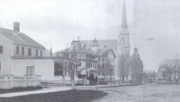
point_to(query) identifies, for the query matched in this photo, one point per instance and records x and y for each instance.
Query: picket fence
(10, 81)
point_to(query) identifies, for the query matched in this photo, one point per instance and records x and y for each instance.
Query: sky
(153, 24)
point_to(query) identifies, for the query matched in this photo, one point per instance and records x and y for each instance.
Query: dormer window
(1, 49)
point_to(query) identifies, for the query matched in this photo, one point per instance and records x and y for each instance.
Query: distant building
(93, 58)
(105, 61)
(151, 76)
(159, 75)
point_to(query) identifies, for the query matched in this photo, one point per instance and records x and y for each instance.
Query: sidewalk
(48, 90)
(103, 86)
(93, 86)
(45, 90)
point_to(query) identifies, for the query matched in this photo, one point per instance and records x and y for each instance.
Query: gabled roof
(102, 52)
(20, 38)
(109, 44)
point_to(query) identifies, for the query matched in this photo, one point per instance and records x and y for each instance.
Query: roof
(87, 60)
(110, 44)
(103, 52)
(44, 57)
(20, 38)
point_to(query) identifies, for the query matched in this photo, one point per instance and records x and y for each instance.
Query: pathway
(44, 90)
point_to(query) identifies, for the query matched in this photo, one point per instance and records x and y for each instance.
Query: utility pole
(64, 73)
(97, 74)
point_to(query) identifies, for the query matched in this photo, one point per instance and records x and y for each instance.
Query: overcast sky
(154, 25)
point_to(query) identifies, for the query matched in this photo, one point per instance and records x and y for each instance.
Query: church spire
(124, 19)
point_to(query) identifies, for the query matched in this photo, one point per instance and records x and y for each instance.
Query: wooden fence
(62, 83)
(10, 81)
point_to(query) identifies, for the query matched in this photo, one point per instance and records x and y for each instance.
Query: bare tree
(167, 69)
(127, 68)
(104, 70)
(76, 54)
(120, 68)
(71, 67)
(163, 71)
(111, 73)
(123, 67)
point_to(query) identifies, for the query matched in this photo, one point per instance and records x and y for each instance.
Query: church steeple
(124, 19)
(123, 38)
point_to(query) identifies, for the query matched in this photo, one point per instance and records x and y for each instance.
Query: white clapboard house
(23, 61)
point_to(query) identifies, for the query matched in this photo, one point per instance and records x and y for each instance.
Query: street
(142, 93)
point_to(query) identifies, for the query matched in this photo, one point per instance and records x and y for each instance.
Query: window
(58, 69)
(30, 71)
(17, 49)
(1, 49)
(29, 51)
(36, 52)
(22, 50)
(41, 53)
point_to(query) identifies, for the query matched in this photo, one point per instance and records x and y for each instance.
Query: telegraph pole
(97, 75)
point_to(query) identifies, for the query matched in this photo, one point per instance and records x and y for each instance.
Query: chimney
(16, 26)
(51, 51)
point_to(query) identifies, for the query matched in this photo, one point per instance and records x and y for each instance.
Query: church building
(120, 47)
